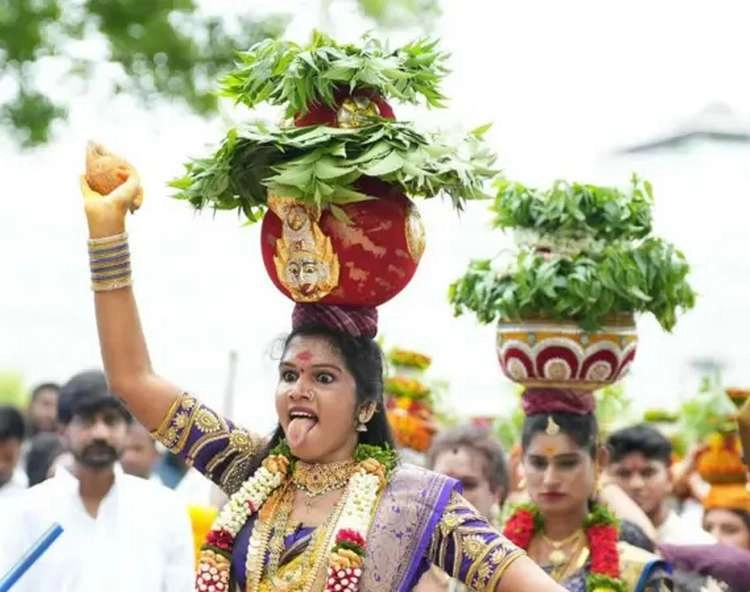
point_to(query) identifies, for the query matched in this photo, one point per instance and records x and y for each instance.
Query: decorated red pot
(363, 256)
(542, 353)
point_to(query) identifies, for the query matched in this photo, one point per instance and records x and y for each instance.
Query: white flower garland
(346, 550)
(558, 244)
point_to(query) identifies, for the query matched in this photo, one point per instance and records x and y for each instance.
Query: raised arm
(123, 346)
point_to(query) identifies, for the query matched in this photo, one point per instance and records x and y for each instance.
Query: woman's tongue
(297, 430)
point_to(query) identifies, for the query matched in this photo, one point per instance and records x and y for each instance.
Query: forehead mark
(304, 356)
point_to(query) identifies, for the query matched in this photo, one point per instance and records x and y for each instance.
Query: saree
(420, 519)
(642, 571)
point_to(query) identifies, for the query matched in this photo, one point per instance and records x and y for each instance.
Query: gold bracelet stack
(109, 258)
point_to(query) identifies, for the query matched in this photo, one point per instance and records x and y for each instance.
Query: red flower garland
(601, 532)
(347, 535)
(605, 559)
(520, 527)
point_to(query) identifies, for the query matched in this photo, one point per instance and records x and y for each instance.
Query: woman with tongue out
(324, 503)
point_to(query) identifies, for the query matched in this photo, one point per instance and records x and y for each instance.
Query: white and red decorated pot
(556, 354)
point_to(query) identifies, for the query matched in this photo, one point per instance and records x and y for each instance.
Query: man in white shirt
(640, 460)
(120, 533)
(12, 478)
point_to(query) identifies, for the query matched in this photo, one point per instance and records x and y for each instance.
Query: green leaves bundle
(285, 73)
(576, 210)
(322, 164)
(626, 273)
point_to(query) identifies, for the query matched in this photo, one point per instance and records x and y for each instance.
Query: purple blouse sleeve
(468, 548)
(210, 443)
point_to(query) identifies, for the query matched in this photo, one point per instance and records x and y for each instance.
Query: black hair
(364, 360)
(633, 534)
(45, 386)
(648, 441)
(86, 394)
(480, 440)
(12, 426)
(44, 449)
(582, 429)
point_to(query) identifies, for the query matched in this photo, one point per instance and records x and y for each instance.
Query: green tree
(12, 391)
(401, 13)
(155, 49)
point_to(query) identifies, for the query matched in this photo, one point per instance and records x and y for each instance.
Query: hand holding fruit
(110, 188)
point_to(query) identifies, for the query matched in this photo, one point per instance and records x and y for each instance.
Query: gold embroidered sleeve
(210, 443)
(468, 548)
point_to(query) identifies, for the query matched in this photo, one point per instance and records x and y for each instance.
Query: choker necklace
(317, 479)
(559, 557)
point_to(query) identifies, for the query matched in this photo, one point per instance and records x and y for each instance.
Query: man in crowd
(140, 454)
(42, 411)
(12, 478)
(640, 461)
(472, 456)
(120, 533)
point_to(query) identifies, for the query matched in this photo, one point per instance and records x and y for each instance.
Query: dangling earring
(365, 415)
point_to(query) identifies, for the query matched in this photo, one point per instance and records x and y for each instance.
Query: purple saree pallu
(409, 510)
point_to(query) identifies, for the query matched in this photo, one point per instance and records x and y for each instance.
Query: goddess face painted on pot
(308, 276)
(305, 261)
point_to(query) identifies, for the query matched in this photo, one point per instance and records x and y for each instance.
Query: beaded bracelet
(109, 258)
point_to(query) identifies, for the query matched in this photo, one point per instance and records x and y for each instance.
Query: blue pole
(30, 557)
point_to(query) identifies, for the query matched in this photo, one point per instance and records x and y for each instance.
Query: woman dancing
(323, 504)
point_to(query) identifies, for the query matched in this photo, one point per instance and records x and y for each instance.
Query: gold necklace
(317, 479)
(558, 557)
(310, 563)
(280, 521)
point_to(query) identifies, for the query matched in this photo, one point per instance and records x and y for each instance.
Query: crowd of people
(77, 457)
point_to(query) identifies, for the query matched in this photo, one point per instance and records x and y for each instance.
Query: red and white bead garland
(347, 552)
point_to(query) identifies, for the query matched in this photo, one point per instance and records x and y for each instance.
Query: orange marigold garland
(602, 529)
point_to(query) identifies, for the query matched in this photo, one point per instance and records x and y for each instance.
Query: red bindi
(304, 356)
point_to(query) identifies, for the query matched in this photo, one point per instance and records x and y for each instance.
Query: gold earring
(365, 415)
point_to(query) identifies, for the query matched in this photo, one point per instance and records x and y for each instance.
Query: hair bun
(357, 321)
(537, 401)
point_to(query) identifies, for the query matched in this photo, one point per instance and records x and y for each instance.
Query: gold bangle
(109, 285)
(108, 240)
(109, 262)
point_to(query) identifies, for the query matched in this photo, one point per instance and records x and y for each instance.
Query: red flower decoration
(347, 535)
(520, 528)
(220, 539)
(601, 532)
(605, 558)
